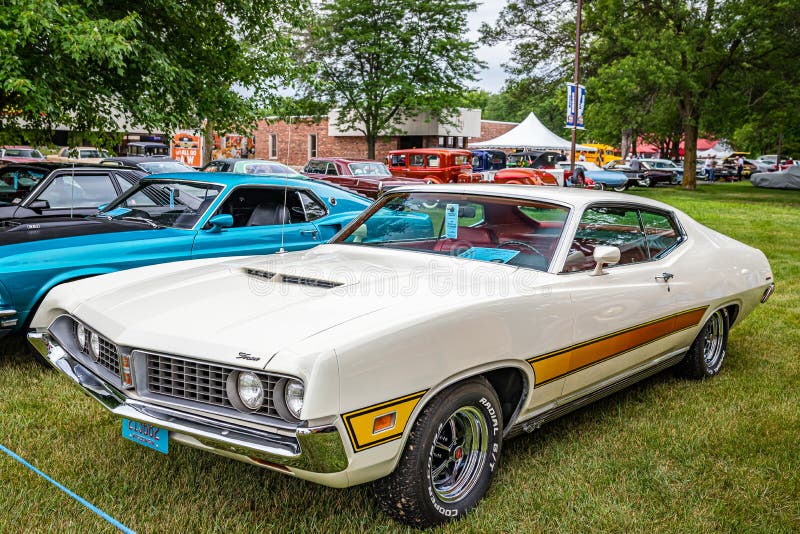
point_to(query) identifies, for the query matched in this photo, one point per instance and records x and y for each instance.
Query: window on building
(273, 146)
(441, 140)
(460, 142)
(451, 141)
(312, 145)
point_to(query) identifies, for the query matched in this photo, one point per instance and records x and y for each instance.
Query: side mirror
(220, 221)
(16, 201)
(604, 255)
(101, 207)
(39, 205)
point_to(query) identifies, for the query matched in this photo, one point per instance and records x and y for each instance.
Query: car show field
(666, 454)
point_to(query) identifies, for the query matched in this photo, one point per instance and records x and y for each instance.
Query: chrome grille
(200, 382)
(109, 355)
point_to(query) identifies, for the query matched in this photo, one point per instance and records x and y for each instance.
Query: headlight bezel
(281, 402)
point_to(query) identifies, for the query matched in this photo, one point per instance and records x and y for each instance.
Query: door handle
(312, 233)
(666, 278)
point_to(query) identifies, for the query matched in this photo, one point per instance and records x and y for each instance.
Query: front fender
(59, 279)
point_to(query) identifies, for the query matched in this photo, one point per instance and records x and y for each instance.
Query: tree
(650, 62)
(161, 64)
(381, 61)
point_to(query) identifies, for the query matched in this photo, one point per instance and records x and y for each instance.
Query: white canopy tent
(720, 150)
(530, 134)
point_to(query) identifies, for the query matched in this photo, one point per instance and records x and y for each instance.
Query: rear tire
(450, 457)
(707, 353)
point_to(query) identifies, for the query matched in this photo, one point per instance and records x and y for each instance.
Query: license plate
(148, 435)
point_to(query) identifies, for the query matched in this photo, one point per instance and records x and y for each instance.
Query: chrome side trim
(595, 392)
(316, 449)
(7, 313)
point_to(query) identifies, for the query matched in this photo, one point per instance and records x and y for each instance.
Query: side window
(331, 170)
(261, 206)
(433, 161)
(123, 183)
(398, 160)
(608, 226)
(417, 160)
(79, 191)
(311, 208)
(661, 232)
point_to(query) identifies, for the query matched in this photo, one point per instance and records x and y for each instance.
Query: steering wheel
(523, 245)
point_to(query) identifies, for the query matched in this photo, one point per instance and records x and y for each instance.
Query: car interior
(264, 206)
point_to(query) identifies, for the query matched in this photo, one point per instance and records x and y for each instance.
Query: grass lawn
(666, 455)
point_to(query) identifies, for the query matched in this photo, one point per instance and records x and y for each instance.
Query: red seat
(467, 238)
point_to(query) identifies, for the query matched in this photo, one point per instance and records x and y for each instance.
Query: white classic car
(444, 320)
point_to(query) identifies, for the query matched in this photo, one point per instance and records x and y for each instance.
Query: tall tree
(161, 64)
(381, 61)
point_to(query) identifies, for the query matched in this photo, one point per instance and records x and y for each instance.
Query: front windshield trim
(557, 258)
(149, 181)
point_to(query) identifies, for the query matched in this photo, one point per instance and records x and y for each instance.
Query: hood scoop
(283, 278)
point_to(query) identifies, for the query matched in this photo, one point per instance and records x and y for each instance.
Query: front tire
(450, 457)
(620, 188)
(707, 353)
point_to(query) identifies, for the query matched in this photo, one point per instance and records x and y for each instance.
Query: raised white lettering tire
(449, 459)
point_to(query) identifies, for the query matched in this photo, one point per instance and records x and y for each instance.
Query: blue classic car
(588, 174)
(167, 217)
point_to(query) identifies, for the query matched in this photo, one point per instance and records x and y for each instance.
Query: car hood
(19, 236)
(259, 305)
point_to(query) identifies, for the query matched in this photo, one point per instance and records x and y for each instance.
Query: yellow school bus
(605, 153)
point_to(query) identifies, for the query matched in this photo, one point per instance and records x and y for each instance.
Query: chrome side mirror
(604, 255)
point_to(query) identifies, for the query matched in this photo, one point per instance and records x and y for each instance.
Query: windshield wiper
(141, 219)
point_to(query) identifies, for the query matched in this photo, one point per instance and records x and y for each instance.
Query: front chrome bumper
(316, 449)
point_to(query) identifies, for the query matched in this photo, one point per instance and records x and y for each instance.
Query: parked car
(81, 154)
(150, 165)
(20, 154)
(17, 179)
(366, 177)
(166, 218)
(588, 174)
(655, 171)
(535, 159)
(70, 191)
(727, 169)
(488, 162)
(146, 149)
(524, 176)
(433, 165)
(250, 166)
(414, 344)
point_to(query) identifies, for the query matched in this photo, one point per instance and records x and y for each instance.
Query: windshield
(23, 153)
(517, 232)
(93, 153)
(155, 167)
(368, 168)
(266, 167)
(169, 203)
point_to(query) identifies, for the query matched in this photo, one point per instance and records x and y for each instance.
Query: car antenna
(285, 186)
(72, 192)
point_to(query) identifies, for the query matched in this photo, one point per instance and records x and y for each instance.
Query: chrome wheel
(713, 340)
(458, 454)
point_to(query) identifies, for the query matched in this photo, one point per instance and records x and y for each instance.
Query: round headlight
(80, 334)
(293, 394)
(250, 389)
(94, 345)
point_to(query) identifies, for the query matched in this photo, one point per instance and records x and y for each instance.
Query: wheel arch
(62, 278)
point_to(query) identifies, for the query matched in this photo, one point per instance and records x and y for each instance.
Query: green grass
(666, 455)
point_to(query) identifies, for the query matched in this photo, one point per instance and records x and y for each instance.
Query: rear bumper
(316, 449)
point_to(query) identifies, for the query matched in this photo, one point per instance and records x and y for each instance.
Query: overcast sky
(493, 77)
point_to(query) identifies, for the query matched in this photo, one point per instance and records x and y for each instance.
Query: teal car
(164, 218)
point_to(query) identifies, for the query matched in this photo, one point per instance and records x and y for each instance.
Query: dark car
(73, 191)
(488, 162)
(150, 165)
(367, 177)
(535, 159)
(146, 149)
(17, 179)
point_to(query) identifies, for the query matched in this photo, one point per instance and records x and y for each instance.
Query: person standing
(708, 166)
(739, 168)
(582, 157)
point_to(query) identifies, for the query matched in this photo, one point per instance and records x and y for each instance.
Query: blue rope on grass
(75, 496)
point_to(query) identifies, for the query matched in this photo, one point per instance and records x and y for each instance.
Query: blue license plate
(148, 435)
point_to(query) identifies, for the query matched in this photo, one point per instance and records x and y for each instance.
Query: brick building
(301, 138)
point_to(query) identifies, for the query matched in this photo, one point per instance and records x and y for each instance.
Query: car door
(626, 318)
(262, 224)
